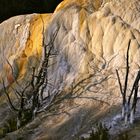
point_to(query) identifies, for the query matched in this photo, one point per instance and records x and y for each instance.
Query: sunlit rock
(21, 45)
(91, 42)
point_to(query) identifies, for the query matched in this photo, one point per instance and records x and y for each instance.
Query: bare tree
(40, 81)
(129, 100)
(20, 111)
(36, 86)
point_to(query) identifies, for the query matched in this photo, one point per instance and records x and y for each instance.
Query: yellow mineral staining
(87, 4)
(81, 3)
(87, 29)
(34, 43)
(24, 35)
(33, 46)
(82, 16)
(92, 40)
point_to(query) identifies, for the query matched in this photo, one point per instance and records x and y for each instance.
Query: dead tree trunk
(128, 106)
(135, 98)
(40, 82)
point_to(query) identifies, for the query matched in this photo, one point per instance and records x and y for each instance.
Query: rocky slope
(91, 42)
(21, 45)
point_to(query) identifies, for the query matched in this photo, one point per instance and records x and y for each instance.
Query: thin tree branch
(10, 102)
(119, 81)
(127, 69)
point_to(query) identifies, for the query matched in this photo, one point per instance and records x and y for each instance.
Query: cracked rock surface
(91, 42)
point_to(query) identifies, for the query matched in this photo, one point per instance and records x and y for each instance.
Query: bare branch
(119, 81)
(10, 102)
(134, 86)
(127, 69)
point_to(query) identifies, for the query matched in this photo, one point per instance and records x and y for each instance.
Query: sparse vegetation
(9, 126)
(29, 103)
(123, 136)
(100, 133)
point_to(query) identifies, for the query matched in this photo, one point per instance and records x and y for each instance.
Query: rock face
(91, 42)
(20, 45)
(85, 37)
